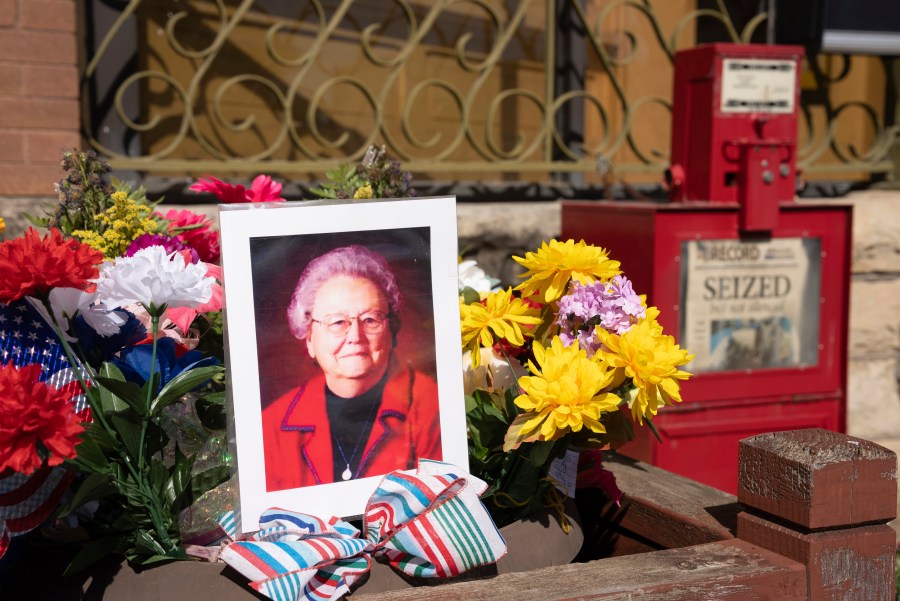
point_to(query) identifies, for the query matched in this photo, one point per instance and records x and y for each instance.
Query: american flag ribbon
(26, 338)
(26, 501)
(427, 522)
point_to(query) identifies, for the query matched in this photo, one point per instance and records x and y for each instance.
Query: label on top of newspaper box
(758, 86)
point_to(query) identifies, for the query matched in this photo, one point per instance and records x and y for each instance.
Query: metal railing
(165, 93)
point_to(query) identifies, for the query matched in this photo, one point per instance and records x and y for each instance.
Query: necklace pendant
(347, 474)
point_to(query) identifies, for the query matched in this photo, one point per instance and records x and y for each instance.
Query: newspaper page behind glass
(751, 304)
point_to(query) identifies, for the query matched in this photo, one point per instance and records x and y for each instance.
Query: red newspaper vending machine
(752, 282)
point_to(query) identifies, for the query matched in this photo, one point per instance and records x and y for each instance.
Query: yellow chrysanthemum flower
(650, 359)
(564, 394)
(554, 264)
(364, 192)
(2, 225)
(502, 315)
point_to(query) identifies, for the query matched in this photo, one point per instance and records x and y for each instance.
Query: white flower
(67, 303)
(474, 277)
(154, 279)
(494, 374)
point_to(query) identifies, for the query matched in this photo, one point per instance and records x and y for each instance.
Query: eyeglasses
(372, 322)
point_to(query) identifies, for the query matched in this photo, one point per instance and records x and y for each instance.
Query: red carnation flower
(32, 266)
(34, 417)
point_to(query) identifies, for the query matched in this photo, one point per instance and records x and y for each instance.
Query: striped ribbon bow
(427, 522)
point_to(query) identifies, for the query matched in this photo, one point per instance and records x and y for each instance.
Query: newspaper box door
(765, 314)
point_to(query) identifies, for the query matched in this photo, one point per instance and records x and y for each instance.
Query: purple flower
(167, 242)
(612, 305)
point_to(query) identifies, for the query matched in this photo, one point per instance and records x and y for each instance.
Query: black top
(351, 421)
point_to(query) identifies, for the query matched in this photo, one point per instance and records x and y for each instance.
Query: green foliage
(384, 176)
(342, 182)
(211, 329)
(469, 295)
(140, 489)
(139, 195)
(517, 478)
(210, 408)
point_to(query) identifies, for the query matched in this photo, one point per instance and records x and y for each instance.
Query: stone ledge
(12, 207)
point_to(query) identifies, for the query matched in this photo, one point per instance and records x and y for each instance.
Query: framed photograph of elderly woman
(342, 325)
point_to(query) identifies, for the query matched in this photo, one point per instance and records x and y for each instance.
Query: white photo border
(241, 222)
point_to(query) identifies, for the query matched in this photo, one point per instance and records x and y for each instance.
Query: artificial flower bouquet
(111, 365)
(564, 364)
(111, 375)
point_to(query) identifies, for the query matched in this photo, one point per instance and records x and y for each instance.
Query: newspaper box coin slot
(752, 282)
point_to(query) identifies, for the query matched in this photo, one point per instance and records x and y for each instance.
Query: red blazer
(297, 436)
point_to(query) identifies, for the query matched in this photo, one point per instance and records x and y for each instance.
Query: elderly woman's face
(350, 337)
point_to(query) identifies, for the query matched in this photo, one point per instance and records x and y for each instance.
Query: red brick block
(817, 478)
(39, 113)
(38, 47)
(58, 15)
(850, 564)
(50, 81)
(28, 180)
(8, 13)
(10, 79)
(47, 147)
(12, 146)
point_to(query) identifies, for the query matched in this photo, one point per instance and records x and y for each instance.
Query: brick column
(39, 110)
(823, 499)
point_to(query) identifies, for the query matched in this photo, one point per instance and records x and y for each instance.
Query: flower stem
(156, 512)
(154, 324)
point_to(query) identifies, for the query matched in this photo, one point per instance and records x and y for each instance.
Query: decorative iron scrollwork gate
(465, 89)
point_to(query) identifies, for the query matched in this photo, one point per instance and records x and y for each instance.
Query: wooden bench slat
(731, 570)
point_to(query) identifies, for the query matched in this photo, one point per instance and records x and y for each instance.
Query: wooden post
(823, 499)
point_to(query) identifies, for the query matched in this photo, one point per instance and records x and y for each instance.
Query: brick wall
(38, 93)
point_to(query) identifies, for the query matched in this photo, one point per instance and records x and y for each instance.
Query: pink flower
(171, 244)
(263, 189)
(592, 474)
(226, 192)
(201, 237)
(183, 317)
(167, 328)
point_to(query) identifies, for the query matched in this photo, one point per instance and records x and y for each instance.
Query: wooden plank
(660, 509)
(724, 571)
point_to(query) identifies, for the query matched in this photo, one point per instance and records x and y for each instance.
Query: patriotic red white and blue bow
(426, 522)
